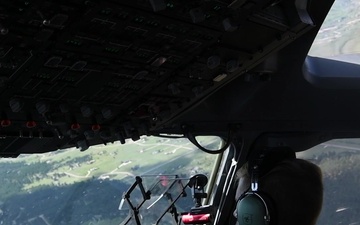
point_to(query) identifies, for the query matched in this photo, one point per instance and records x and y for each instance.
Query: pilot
(276, 188)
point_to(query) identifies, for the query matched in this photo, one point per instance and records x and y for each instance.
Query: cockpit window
(339, 161)
(339, 37)
(73, 187)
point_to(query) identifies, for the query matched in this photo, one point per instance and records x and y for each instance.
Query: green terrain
(73, 187)
(340, 32)
(339, 161)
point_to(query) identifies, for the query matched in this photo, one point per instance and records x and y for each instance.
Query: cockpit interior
(142, 111)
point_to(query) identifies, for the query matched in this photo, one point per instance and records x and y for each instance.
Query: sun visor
(331, 74)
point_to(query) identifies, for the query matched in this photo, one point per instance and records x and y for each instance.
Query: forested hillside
(340, 164)
(73, 187)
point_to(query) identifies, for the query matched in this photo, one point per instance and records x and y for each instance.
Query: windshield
(339, 37)
(339, 161)
(73, 187)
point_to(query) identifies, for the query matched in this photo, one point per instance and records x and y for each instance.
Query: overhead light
(16, 105)
(159, 61)
(42, 107)
(213, 61)
(158, 5)
(86, 111)
(220, 77)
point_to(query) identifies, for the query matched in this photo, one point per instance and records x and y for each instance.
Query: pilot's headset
(255, 207)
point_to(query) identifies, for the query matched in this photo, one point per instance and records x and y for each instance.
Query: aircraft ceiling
(79, 73)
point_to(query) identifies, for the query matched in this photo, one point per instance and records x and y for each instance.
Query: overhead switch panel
(92, 72)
